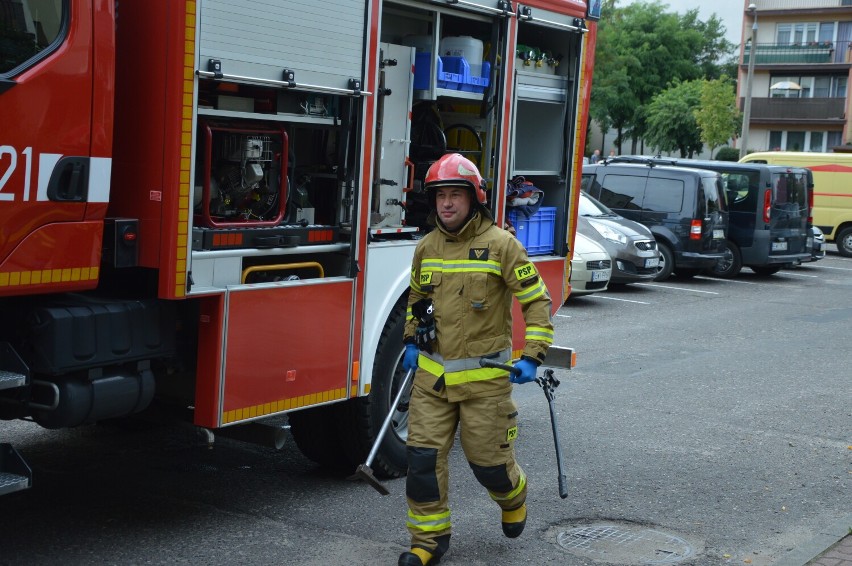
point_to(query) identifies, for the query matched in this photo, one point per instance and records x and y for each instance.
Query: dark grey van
(684, 208)
(768, 214)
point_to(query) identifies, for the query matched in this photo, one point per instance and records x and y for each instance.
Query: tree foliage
(671, 124)
(717, 115)
(641, 49)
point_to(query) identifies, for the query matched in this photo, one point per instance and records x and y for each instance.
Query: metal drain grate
(625, 544)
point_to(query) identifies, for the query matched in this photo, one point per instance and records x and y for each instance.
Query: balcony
(811, 53)
(764, 5)
(810, 110)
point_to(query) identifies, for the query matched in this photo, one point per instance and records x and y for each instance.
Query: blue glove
(527, 371)
(409, 360)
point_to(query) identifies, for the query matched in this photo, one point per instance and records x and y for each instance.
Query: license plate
(779, 246)
(718, 234)
(599, 276)
(652, 262)
(810, 243)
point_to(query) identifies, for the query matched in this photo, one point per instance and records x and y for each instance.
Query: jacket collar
(477, 224)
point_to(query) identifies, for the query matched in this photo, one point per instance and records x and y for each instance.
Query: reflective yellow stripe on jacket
(465, 370)
(539, 333)
(461, 266)
(532, 293)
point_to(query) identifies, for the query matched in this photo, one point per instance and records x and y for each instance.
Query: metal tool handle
(548, 383)
(486, 363)
(403, 386)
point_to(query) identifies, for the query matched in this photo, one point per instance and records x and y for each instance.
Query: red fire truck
(212, 205)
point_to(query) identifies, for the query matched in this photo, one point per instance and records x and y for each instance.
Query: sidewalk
(832, 547)
(838, 555)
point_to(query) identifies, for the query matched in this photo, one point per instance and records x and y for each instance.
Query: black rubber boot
(514, 521)
(411, 559)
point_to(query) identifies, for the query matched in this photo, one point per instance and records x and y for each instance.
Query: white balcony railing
(800, 4)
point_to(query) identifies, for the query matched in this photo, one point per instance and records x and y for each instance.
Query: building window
(796, 34)
(823, 86)
(834, 139)
(817, 141)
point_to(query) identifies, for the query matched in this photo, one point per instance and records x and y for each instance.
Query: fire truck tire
(368, 413)
(316, 434)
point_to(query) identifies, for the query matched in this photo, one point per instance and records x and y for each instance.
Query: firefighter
(463, 277)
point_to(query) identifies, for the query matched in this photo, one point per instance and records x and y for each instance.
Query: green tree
(642, 48)
(717, 115)
(671, 124)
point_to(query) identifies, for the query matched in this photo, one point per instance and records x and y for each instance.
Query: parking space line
(720, 280)
(617, 299)
(798, 274)
(839, 268)
(676, 288)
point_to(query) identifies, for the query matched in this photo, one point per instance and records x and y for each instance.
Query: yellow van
(832, 206)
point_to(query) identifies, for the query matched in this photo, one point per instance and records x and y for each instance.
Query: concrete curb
(825, 539)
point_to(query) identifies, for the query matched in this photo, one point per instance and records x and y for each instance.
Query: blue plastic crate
(453, 73)
(422, 70)
(535, 232)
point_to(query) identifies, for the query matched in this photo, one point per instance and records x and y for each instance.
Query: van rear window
(790, 189)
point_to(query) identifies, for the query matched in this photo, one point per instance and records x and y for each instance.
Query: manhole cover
(624, 543)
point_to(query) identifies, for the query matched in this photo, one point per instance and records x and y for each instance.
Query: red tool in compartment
(243, 175)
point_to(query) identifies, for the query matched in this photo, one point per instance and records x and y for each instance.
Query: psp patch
(525, 271)
(426, 278)
(512, 434)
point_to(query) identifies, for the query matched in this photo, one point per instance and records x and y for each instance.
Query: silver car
(634, 252)
(591, 267)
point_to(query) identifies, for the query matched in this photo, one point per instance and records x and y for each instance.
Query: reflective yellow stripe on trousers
(429, 523)
(522, 481)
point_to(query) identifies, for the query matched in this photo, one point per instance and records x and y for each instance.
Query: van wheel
(360, 427)
(729, 266)
(765, 269)
(664, 270)
(844, 242)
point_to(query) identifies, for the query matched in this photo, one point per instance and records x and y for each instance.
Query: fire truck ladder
(15, 475)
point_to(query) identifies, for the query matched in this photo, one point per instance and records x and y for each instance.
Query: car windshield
(590, 207)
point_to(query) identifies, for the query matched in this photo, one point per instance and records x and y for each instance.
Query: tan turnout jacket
(471, 277)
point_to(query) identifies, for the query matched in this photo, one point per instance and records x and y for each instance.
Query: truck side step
(10, 379)
(15, 475)
(13, 371)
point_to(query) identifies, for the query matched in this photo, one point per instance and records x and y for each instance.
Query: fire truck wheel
(316, 435)
(368, 413)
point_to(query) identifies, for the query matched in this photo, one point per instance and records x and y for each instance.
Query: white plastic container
(464, 46)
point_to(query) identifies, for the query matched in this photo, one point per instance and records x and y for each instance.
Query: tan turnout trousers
(488, 432)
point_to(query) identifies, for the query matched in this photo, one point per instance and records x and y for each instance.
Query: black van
(768, 213)
(684, 208)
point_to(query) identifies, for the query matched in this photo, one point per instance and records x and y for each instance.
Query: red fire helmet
(453, 170)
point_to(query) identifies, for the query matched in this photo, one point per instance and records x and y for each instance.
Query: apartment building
(801, 74)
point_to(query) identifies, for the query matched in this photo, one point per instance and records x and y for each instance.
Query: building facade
(801, 74)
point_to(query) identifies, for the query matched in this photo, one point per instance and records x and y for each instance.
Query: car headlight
(610, 234)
